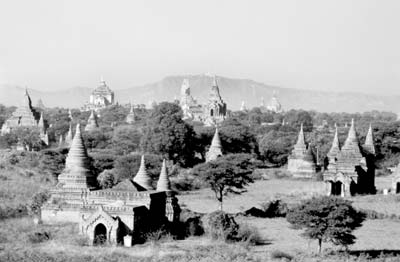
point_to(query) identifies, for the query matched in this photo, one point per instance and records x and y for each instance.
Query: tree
(126, 139)
(327, 219)
(106, 179)
(227, 174)
(168, 134)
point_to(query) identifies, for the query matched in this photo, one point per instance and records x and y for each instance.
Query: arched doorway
(353, 188)
(100, 234)
(336, 189)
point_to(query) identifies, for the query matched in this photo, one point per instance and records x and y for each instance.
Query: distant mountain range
(233, 91)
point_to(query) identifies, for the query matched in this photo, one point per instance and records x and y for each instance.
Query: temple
(274, 105)
(190, 108)
(215, 111)
(119, 215)
(24, 116)
(92, 122)
(301, 162)
(101, 97)
(215, 149)
(131, 117)
(351, 169)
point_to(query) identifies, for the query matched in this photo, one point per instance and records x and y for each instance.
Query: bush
(13, 211)
(39, 237)
(38, 200)
(276, 254)
(274, 208)
(248, 235)
(222, 226)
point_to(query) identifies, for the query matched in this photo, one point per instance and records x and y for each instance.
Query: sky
(337, 45)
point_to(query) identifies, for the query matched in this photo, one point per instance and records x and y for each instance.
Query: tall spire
(301, 138)
(215, 149)
(215, 95)
(369, 141)
(335, 149)
(163, 183)
(92, 122)
(142, 178)
(351, 145)
(77, 173)
(41, 122)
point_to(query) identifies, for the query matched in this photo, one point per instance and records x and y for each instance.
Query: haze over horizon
(350, 46)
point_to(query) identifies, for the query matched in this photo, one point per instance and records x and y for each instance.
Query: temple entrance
(398, 188)
(100, 234)
(353, 188)
(336, 189)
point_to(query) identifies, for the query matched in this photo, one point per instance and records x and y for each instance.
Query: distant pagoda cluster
(211, 113)
(101, 97)
(26, 116)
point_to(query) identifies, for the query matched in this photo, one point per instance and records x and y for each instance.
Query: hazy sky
(343, 45)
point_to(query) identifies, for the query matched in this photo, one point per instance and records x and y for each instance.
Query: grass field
(18, 242)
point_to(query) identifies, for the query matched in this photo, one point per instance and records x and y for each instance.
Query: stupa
(77, 174)
(301, 162)
(92, 122)
(142, 178)
(163, 183)
(215, 149)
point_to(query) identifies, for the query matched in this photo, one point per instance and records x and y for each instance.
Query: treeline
(161, 132)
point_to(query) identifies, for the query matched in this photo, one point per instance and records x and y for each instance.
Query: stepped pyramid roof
(163, 183)
(142, 178)
(78, 170)
(92, 122)
(350, 155)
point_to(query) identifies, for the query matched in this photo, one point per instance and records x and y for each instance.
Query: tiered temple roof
(350, 154)
(92, 122)
(163, 183)
(215, 149)
(77, 174)
(215, 109)
(142, 178)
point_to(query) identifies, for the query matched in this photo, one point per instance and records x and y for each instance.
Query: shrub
(222, 226)
(274, 208)
(276, 254)
(13, 211)
(39, 236)
(248, 235)
(38, 200)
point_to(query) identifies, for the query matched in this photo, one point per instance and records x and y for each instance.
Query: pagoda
(77, 174)
(215, 111)
(142, 178)
(215, 149)
(24, 116)
(92, 122)
(301, 162)
(352, 170)
(130, 118)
